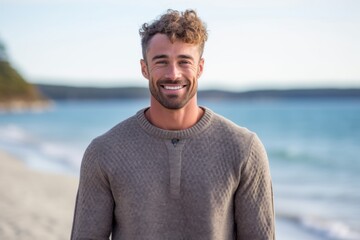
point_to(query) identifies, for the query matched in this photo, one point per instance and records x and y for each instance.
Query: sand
(37, 205)
(34, 204)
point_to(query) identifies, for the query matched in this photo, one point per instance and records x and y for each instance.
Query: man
(175, 170)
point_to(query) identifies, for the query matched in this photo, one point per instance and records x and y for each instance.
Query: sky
(253, 44)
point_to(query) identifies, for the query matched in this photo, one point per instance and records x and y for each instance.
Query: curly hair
(184, 26)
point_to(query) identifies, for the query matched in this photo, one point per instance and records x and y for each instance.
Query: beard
(173, 101)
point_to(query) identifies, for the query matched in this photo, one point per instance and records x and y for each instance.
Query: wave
(324, 157)
(13, 133)
(291, 154)
(39, 152)
(325, 228)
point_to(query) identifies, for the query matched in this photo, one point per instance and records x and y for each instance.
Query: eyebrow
(161, 56)
(186, 56)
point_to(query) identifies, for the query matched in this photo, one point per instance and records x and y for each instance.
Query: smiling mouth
(173, 87)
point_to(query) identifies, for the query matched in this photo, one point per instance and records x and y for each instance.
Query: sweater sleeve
(254, 208)
(94, 202)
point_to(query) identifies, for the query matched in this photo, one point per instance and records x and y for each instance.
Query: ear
(201, 67)
(144, 69)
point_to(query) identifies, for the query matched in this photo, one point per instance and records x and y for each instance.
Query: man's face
(172, 70)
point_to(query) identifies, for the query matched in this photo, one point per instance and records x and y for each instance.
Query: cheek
(196, 71)
(190, 72)
(155, 73)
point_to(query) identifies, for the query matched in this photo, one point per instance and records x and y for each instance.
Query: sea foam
(38, 152)
(323, 228)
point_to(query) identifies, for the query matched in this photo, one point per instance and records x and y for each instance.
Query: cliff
(15, 92)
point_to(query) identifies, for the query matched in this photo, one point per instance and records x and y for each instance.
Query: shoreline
(33, 204)
(15, 106)
(38, 205)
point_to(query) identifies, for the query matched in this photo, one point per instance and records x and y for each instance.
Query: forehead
(160, 44)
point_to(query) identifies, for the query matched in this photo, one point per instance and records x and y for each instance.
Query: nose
(173, 72)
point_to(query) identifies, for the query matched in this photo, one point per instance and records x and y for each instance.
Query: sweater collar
(199, 127)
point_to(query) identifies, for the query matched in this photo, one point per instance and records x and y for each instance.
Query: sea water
(313, 148)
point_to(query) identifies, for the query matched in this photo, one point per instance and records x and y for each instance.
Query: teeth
(172, 87)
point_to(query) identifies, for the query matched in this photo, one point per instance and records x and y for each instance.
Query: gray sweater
(210, 181)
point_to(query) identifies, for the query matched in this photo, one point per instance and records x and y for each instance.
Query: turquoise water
(313, 148)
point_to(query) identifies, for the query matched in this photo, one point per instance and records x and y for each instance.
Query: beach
(34, 205)
(39, 205)
(313, 149)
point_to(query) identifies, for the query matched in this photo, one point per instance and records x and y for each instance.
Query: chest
(175, 169)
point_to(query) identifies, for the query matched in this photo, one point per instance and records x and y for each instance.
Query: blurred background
(287, 69)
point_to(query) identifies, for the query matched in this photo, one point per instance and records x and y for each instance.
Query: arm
(254, 208)
(94, 202)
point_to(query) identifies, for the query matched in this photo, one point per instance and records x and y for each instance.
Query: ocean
(313, 148)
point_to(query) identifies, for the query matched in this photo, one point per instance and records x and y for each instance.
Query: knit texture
(211, 181)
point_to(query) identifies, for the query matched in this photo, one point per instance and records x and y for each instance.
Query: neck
(174, 119)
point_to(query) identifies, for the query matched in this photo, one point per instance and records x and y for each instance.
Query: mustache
(176, 82)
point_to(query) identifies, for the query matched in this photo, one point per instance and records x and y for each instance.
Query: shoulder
(228, 129)
(114, 140)
(245, 143)
(236, 143)
(229, 137)
(106, 148)
(120, 132)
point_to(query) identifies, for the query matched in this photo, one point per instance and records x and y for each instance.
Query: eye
(184, 62)
(161, 62)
